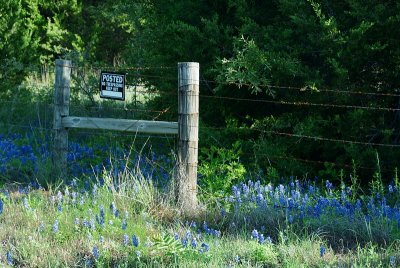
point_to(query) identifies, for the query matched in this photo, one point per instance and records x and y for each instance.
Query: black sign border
(123, 91)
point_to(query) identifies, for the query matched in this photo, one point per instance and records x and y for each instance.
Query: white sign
(112, 85)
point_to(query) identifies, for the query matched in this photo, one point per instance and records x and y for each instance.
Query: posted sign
(112, 85)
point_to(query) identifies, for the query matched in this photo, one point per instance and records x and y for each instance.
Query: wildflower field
(117, 210)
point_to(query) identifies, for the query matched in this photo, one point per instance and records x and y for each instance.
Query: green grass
(154, 220)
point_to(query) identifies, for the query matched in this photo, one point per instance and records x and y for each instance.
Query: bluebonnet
(322, 251)
(114, 209)
(290, 219)
(188, 234)
(237, 258)
(135, 241)
(254, 234)
(86, 223)
(261, 239)
(390, 188)
(204, 247)
(101, 218)
(55, 227)
(9, 258)
(392, 261)
(223, 212)
(124, 224)
(328, 185)
(59, 196)
(92, 224)
(1, 206)
(194, 243)
(88, 263)
(126, 240)
(176, 236)
(26, 203)
(184, 242)
(95, 252)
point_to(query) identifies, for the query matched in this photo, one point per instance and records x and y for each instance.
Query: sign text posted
(112, 85)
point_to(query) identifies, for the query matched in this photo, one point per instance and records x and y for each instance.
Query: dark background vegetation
(247, 49)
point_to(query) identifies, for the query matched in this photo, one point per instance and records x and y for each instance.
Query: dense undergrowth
(117, 210)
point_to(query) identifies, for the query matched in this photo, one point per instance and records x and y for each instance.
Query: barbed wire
(123, 68)
(119, 109)
(302, 136)
(25, 126)
(318, 162)
(324, 105)
(304, 88)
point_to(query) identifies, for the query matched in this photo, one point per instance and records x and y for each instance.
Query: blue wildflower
(188, 235)
(261, 239)
(176, 236)
(41, 226)
(1, 206)
(194, 243)
(55, 227)
(85, 223)
(26, 203)
(95, 252)
(223, 212)
(59, 196)
(92, 224)
(390, 188)
(328, 185)
(322, 251)
(204, 247)
(237, 259)
(9, 258)
(254, 234)
(184, 242)
(124, 224)
(392, 261)
(126, 240)
(135, 241)
(290, 219)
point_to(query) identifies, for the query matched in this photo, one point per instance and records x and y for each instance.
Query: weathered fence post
(61, 109)
(188, 135)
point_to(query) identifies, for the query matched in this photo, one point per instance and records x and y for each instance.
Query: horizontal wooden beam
(140, 126)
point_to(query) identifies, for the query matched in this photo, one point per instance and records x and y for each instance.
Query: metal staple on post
(188, 132)
(61, 110)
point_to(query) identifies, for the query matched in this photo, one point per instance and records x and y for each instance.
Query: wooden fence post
(188, 135)
(61, 109)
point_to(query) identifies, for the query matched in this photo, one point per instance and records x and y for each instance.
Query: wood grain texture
(140, 126)
(61, 109)
(188, 122)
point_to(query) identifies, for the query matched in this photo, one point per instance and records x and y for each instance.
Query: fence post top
(189, 64)
(65, 63)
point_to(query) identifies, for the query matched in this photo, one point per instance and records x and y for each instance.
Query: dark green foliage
(245, 49)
